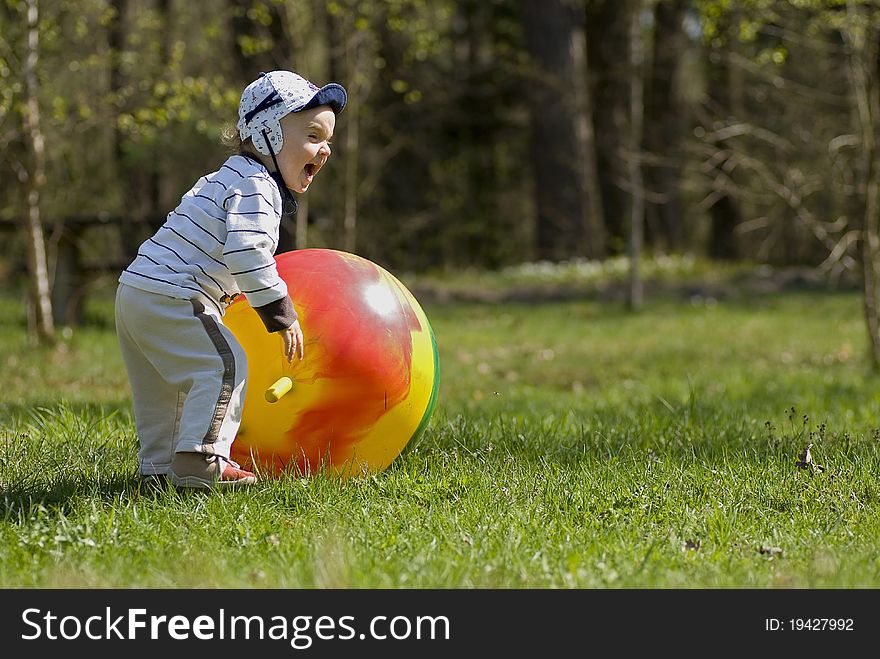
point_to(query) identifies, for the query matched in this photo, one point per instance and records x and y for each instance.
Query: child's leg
(212, 411)
(157, 411)
(189, 347)
(157, 404)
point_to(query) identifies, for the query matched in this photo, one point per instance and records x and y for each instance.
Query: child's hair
(232, 141)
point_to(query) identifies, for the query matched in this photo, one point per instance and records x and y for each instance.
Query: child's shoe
(205, 472)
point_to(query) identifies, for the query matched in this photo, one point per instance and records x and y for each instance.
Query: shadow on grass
(19, 504)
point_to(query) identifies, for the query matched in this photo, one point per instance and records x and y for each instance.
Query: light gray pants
(187, 372)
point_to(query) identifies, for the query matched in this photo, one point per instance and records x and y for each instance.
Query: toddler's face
(306, 145)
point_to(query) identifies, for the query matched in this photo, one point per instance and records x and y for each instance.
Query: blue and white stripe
(220, 240)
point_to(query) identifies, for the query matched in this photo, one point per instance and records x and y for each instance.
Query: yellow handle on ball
(280, 387)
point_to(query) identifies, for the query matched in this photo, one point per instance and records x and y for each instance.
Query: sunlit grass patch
(574, 445)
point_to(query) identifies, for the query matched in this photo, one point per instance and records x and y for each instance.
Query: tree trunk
(637, 208)
(40, 296)
(558, 163)
(301, 224)
(607, 41)
(476, 66)
(352, 153)
(401, 195)
(155, 209)
(724, 214)
(664, 130)
(863, 78)
(137, 228)
(116, 42)
(277, 56)
(345, 54)
(68, 281)
(595, 224)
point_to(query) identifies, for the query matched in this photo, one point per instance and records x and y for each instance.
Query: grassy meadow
(574, 445)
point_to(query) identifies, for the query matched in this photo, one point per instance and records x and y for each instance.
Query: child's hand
(293, 341)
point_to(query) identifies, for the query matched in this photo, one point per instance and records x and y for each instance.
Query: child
(187, 371)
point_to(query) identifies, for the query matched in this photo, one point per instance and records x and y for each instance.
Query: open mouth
(310, 170)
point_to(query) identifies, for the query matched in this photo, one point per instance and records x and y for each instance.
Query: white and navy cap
(273, 95)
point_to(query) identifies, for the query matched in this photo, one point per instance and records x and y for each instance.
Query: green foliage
(444, 171)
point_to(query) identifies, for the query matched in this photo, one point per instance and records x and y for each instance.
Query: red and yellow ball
(367, 384)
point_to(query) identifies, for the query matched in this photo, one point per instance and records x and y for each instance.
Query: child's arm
(251, 222)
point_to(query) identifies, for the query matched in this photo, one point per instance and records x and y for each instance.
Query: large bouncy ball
(367, 383)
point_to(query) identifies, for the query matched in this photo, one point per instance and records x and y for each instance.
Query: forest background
(479, 134)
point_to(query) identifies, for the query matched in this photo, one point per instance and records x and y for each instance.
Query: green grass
(574, 445)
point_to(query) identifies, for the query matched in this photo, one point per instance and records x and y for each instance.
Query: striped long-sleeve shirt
(220, 241)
